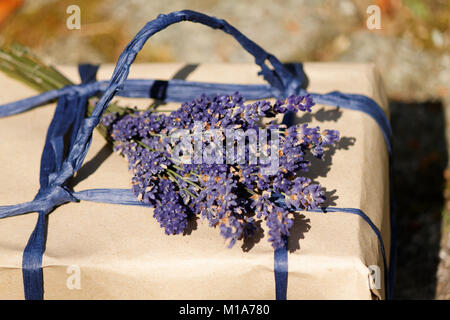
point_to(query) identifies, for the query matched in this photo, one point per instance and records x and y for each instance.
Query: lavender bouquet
(215, 157)
(180, 167)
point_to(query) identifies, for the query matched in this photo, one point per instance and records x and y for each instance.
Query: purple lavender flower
(232, 197)
(231, 228)
(109, 118)
(279, 221)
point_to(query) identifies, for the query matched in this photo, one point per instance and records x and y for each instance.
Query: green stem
(32, 71)
(184, 179)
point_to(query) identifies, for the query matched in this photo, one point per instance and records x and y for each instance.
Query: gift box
(110, 251)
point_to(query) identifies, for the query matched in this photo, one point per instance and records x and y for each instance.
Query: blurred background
(411, 51)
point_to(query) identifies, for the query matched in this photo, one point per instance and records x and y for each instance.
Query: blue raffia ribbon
(63, 156)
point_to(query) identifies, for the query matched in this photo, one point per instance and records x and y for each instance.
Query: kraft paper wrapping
(121, 251)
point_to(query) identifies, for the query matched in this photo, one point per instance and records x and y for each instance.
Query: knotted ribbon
(70, 134)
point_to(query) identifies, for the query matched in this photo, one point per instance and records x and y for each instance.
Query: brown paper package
(120, 252)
